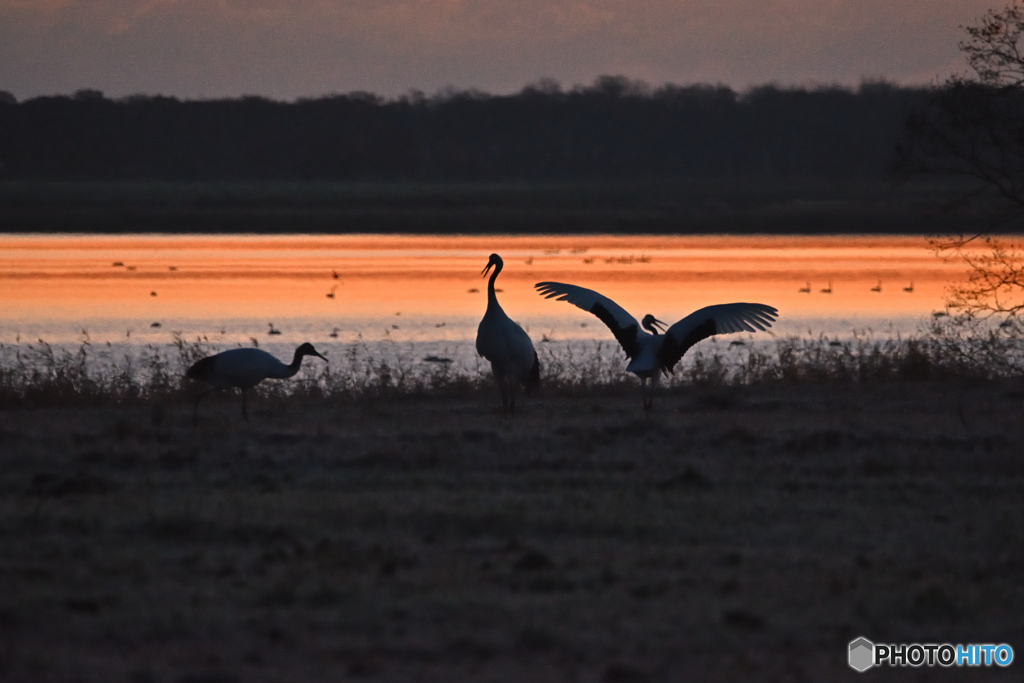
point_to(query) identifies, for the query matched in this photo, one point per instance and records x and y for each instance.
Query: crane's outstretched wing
(712, 320)
(622, 324)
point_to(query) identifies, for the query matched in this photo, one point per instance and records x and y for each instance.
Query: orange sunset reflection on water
(419, 287)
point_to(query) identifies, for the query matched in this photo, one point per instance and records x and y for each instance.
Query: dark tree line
(614, 129)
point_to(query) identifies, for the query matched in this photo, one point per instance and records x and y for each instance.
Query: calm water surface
(426, 293)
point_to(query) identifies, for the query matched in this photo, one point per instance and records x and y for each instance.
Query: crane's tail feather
(532, 383)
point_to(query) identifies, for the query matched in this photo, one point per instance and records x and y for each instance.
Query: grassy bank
(41, 375)
(381, 520)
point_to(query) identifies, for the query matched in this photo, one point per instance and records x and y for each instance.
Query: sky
(287, 49)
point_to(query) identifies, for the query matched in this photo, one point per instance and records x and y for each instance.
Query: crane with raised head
(651, 346)
(243, 369)
(506, 345)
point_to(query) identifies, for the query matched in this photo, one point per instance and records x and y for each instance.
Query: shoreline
(681, 206)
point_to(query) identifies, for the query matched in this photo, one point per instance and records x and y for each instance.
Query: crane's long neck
(291, 370)
(492, 298)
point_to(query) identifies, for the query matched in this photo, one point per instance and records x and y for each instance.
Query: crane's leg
(650, 397)
(195, 406)
(504, 396)
(510, 401)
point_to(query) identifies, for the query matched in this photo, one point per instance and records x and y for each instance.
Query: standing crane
(506, 345)
(244, 369)
(654, 349)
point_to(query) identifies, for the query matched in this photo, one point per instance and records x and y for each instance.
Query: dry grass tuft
(42, 375)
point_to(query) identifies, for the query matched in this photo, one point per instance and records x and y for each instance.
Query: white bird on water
(243, 368)
(501, 341)
(652, 352)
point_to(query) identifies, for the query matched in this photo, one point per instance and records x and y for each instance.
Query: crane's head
(307, 350)
(653, 324)
(495, 260)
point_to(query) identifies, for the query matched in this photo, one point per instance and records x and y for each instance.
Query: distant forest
(615, 129)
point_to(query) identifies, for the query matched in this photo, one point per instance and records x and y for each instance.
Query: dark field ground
(735, 534)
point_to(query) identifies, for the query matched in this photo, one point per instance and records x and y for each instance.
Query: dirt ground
(736, 534)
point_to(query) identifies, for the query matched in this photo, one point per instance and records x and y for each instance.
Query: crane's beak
(317, 354)
(486, 269)
(660, 325)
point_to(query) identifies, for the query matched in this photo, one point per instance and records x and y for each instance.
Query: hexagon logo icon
(862, 654)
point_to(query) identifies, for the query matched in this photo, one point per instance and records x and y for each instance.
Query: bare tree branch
(973, 128)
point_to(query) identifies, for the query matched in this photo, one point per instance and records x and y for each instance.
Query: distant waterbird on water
(273, 330)
(910, 289)
(243, 369)
(805, 290)
(506, 345)
(656, 351)
(878, 287)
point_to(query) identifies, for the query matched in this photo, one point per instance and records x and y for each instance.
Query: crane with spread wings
(651, 346)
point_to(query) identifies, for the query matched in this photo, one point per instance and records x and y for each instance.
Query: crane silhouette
(506, 345)
(654, 350)
(244, 369)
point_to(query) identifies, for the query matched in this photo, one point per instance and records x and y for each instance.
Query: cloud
(289, 48)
